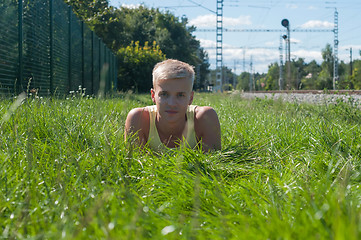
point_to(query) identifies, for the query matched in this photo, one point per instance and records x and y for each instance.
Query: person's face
(172, 97)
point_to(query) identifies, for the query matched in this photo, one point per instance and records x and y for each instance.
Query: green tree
(227, 78)
(243, 81)
(272, 77)
(91, 11)
(355, 78)
(311, 70)
(325, 81)
(259, 81)
(172, 35)
(135, 71)
(298, 67)
(119, 27)
(344, 76)
(203, 68)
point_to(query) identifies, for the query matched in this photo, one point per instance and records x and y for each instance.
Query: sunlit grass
(286, 171)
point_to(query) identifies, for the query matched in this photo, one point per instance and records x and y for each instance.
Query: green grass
(286, 171)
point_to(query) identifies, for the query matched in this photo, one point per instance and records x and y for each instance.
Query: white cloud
(233, 22)
(344, 52)
(292, 6)
(206, 43)
(295, 41)
(317, 24)
(308, 55)
(354, 47)
(210, 21)
(131, 6)
(204, 21)
(261, 57)
(272, 44)
(312, 8)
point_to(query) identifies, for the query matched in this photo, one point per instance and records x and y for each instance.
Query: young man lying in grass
(173, 122)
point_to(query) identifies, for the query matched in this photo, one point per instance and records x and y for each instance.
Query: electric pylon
(219, 44)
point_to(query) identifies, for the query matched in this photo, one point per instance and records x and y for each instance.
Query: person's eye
(181, 95)
(163, 94)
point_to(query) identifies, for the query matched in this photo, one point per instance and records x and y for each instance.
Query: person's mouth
(171, 111)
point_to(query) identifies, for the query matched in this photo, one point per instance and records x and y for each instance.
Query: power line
(254, 6)
(200, 5)
(266, 30)
(243, 48)
(179, 6)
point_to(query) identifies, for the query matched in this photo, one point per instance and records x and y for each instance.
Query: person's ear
(191, 98)
(152, 93)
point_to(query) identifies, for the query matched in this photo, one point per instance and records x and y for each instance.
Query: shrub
(135, 66)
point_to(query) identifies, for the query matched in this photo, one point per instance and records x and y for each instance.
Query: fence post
(110, 71)
(92, 62)
(21, 39)
(82, 56)
(114, 75)
(51, 14)
(69, 53)
(108, 75)
(100, 66)
(115, 70)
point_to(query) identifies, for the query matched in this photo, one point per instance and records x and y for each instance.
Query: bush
(135, 66)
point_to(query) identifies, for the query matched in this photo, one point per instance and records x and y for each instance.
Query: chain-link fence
(45, 48)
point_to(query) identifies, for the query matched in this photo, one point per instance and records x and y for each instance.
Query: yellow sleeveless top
(189, 138)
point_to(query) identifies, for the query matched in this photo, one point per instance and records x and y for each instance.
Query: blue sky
(262, 48)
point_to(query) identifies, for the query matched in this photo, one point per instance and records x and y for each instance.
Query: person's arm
(207, 128)
(135, 124)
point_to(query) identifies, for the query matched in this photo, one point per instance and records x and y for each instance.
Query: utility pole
(280, 80)
(244, 59)
(335, 49)
(287, 38)
(219, 44)
(350, 61)
(250, 76)
(234, 74)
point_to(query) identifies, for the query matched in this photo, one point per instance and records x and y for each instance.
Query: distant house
(309, 76)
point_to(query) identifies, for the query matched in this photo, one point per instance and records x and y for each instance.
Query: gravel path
(304, 97)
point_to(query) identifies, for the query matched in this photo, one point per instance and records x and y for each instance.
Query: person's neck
(170, 129)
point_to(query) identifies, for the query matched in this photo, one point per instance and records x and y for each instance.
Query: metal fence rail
(44, 46)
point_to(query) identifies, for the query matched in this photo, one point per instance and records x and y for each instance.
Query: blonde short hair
(172, 69)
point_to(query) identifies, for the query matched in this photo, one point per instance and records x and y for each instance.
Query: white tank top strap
(153, 136)
(190, 135)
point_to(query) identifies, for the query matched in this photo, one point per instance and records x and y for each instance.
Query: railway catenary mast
(335, 50)
(280, 80)
(219, 35)
(219, 45)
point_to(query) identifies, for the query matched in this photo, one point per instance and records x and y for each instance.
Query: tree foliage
(311, 75)
(271, 80)
(135, 71)
(123, 27)
(243, 81)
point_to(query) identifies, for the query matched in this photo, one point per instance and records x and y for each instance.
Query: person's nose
(172, 101)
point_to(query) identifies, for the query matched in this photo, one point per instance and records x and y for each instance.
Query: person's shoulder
(205, 112)
(138, 112)
(137, 117)
(207, 127)
(205, 117)
(137, 122)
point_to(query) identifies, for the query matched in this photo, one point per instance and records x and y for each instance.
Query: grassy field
(286, 171)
